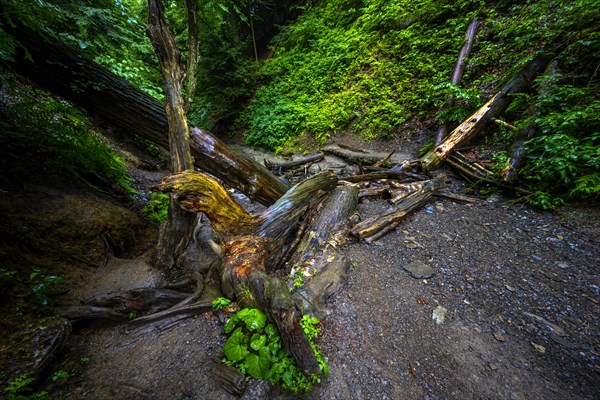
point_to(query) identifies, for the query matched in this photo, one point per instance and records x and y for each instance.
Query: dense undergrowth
(370, 66)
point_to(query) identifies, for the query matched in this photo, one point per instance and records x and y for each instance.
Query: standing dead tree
(458, 72)
(177, 231)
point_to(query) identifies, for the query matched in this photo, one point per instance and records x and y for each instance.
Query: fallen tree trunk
(254, 245)
(494, 107)
(278, 168)
(56, 67)
(376, 226)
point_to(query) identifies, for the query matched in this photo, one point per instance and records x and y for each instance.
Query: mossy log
(253, 245)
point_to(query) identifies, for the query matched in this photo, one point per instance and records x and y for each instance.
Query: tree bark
(191, 78)
(473, 125)
(61, 70)
(458, 72)
(177, 231)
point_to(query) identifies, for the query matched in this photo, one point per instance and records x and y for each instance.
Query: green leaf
(231, 323)
(253, 318)
(259, 364)
(235, 348)
(287, 378)
(258, 341)
(271, 330)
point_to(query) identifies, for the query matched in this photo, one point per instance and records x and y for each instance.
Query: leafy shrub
(157, 208)
(20, 389)
(254, 347)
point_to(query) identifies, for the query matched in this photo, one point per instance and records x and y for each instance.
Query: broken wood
(389, 173)
(457, 197)
(377, 223)
(503, 124)
(230, 379)
(458, 72)
(363, 157)
(402, 191)
(494, 107)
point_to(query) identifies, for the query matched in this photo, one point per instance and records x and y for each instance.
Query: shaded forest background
(281, 73)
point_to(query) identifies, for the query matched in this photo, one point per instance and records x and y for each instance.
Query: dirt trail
(520, 287)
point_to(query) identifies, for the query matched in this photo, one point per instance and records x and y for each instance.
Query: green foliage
(20, 389)
(157, 208)
(370, 68)
(42, 286)
(220, 303)
(254, 347)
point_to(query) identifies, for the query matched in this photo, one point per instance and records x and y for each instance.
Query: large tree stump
(253, 245)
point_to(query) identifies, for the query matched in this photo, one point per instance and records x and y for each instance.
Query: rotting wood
(230, 379)
(402, 191)
(377, 223)
(176, 233)
(457, 197)
(503, 124)
(494, 107)
(390, 173)
(359, 156)
(253, 245)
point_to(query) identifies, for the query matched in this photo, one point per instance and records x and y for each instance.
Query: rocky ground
(480, 301)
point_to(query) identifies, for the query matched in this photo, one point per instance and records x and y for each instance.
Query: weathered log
(278, 168)
(56, 67)
(458, 72)
(98, 315)
(363, 157)
(140, 300)
(377, 223)
(403, 191)
(390, 173)
(316, 258)
(383, 191)
(494, 107)
(457, 197)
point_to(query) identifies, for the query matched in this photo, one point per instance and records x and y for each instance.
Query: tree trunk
(177, 231)
(56, 67)
(459, 71)
(191, 73)
(473, 125)
(255, 245)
